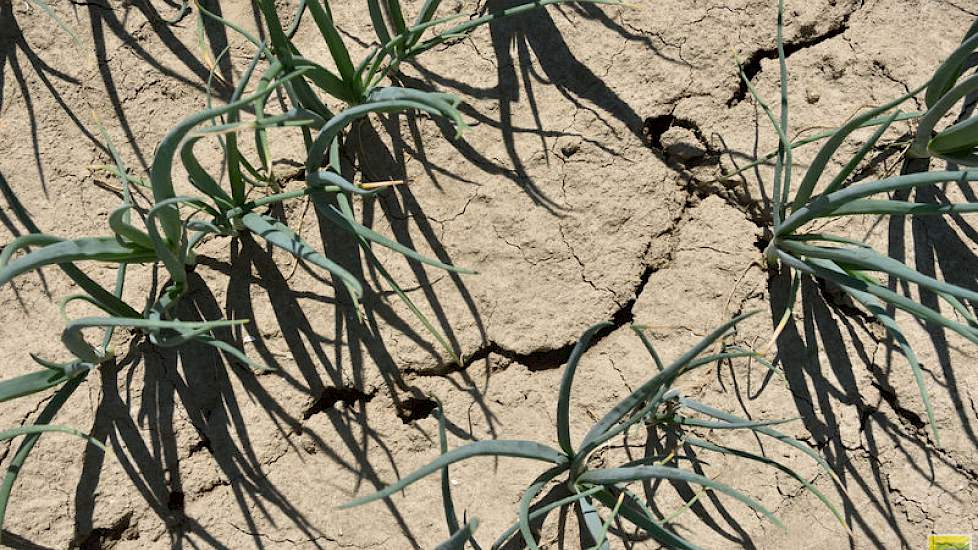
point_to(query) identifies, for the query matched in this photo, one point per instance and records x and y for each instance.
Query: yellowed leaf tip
(381, 184)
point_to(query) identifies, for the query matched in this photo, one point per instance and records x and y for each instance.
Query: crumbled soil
(586, 190)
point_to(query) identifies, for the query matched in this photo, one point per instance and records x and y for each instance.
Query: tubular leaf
(611, 476)
(566, 381)
(518, 449)
(279, 235)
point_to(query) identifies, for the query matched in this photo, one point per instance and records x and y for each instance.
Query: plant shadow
(527, 49)
(105, 23)
(825, 357)
(329, 371)
(158, 391)
(821, 356)
(165, 385)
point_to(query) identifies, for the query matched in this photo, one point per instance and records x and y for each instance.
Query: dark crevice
(689, 155)
(547, 359)
(103, 538)
(625, 314)
(345, 395)
(752, 65)
(763, 240)
(542, 359)
(889, 395)
(685, 155)
(843, 305)
(203, 444)
(655, 126)
(555, 358)
(415, 408)
(175, 501)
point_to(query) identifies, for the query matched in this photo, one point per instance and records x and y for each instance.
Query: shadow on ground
(200, 382)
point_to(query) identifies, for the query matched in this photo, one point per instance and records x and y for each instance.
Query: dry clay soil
(584, 191)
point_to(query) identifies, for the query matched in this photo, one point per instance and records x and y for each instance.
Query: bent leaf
(99, 249)
(279, 235)
(611, 476)
(517, 449)
(34, 382)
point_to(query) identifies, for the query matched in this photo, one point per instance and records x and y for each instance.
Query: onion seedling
(956, 143)
(174, 225)
(852, 265)
(653, 404)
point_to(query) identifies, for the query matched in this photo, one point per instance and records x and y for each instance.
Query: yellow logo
(949, 542)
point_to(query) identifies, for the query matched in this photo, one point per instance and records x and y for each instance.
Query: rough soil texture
(583, 192)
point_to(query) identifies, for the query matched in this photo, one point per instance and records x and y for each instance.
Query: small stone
(308, 445)
(812, 97)
(682, 144)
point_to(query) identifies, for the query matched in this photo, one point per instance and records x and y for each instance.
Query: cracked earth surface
(585, 191)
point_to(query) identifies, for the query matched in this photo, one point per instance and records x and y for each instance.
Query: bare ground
(584, 192)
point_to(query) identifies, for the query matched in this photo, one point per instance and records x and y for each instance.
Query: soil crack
(348, 396)
(415, 408)
(548, 358)
(752, 65)
(102, 538)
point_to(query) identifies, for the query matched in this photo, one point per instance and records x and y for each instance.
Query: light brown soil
(581, 194)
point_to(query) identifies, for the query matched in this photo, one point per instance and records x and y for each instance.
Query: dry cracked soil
(586, 190)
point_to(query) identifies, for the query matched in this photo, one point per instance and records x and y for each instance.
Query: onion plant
(86, 357)
(958, 142)
(172, 227)
(655, 406)
(945, 90)
(852, 265)
(176, 224)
